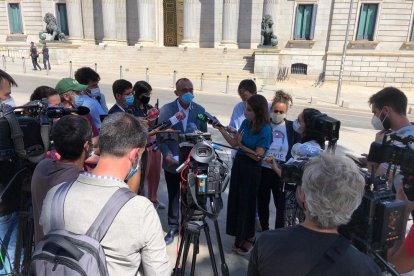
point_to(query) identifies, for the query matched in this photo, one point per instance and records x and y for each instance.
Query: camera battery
(389, 221)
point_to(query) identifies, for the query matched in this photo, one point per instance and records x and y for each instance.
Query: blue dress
(245, 178)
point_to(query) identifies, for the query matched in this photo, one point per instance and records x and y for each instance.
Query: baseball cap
(69, 84)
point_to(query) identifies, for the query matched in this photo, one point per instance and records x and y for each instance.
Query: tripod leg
(188, 240)
(224, 268)
(180, 252)
(195, 252)
(210, 249)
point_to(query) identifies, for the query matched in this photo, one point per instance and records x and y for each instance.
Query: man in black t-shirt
(332, 188)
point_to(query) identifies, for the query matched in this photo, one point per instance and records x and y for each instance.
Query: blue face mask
(129, 100)
(95, 92)
(133, 171)
(78, 100)
(187, 98)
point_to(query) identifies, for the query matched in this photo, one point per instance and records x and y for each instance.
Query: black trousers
(173, 187)
(241, 204)
(46, 62)
(35, 64)
(270, 183)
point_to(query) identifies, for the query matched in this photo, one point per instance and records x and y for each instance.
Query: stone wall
(374, 69)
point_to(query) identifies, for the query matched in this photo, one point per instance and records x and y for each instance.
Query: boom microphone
(175, 119)
(210, 119)
(58, 112)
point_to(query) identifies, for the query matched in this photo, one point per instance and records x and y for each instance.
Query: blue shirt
(261, 139)
(237, 117)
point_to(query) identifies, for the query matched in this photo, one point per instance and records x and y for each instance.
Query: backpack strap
(16, 134)
(108, 213)
(57, 220)
(330, 257)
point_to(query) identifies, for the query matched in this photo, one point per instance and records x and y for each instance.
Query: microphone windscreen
(153, 113)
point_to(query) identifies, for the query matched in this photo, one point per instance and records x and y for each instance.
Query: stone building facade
(311, 33)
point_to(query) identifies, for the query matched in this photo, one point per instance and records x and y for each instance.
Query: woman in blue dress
(252, 141)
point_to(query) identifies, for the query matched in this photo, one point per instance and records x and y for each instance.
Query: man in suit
(170, 151)
(123, 95)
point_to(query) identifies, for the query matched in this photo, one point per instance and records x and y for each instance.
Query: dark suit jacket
(166, 112)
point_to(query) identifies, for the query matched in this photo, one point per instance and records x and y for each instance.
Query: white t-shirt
(280, 145)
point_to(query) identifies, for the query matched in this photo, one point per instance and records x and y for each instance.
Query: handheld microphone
(57, 112)
(153, 114)
(175, 119)
(210, 119)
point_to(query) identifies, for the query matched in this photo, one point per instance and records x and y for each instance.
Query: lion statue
(52, 28)
(268, 38)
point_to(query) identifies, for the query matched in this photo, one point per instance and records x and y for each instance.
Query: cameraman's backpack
(64, 253)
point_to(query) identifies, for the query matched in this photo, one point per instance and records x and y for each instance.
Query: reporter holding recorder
(312, 143)
(284, 137)
(253, 140)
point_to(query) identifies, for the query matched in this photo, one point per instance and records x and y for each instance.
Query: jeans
(8, 234)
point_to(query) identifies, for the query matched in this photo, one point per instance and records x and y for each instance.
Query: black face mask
(145, 99)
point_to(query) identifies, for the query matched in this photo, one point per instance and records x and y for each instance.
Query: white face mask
(277, 118)
(376, 123)
(296, 127)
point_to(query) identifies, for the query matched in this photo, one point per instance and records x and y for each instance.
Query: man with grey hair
(135, 238)
(331, 190)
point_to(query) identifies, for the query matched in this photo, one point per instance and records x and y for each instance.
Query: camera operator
(170, 151)
(6, 82)
(332, 188)
(10, 201)
(311, 142)
(46, 92)
(402, 253)
(283, 139)
(72, 136)
(389, 108)
(253, 140)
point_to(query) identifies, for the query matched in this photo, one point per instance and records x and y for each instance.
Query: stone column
(88, 20)
(146, 19)
(230, 23)
(270, 8)
(109, 20)
(121, 21)
(190, 23)
(74, 19)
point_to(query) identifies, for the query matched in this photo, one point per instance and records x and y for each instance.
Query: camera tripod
(191, 234)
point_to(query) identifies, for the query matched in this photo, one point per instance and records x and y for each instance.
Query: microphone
(57, 112)
(153, 114)
(175, 119)
(210, 119)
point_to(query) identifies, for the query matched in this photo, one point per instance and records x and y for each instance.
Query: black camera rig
(379, 220)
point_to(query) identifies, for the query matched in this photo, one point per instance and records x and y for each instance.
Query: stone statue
(52, 28)
(268, 38)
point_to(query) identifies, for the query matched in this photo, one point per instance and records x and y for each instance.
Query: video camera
(379, 220)
(24, 130)
(203, 173)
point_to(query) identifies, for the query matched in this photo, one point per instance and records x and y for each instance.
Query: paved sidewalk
(355, 97)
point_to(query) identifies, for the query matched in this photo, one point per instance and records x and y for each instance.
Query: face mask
(78, 100)
(187, 98)
(296, 126)
(277, 118)
(95, 92)
(376, 123)
(129, 100)
(145, 99)
(133, 171)
(9, 101)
